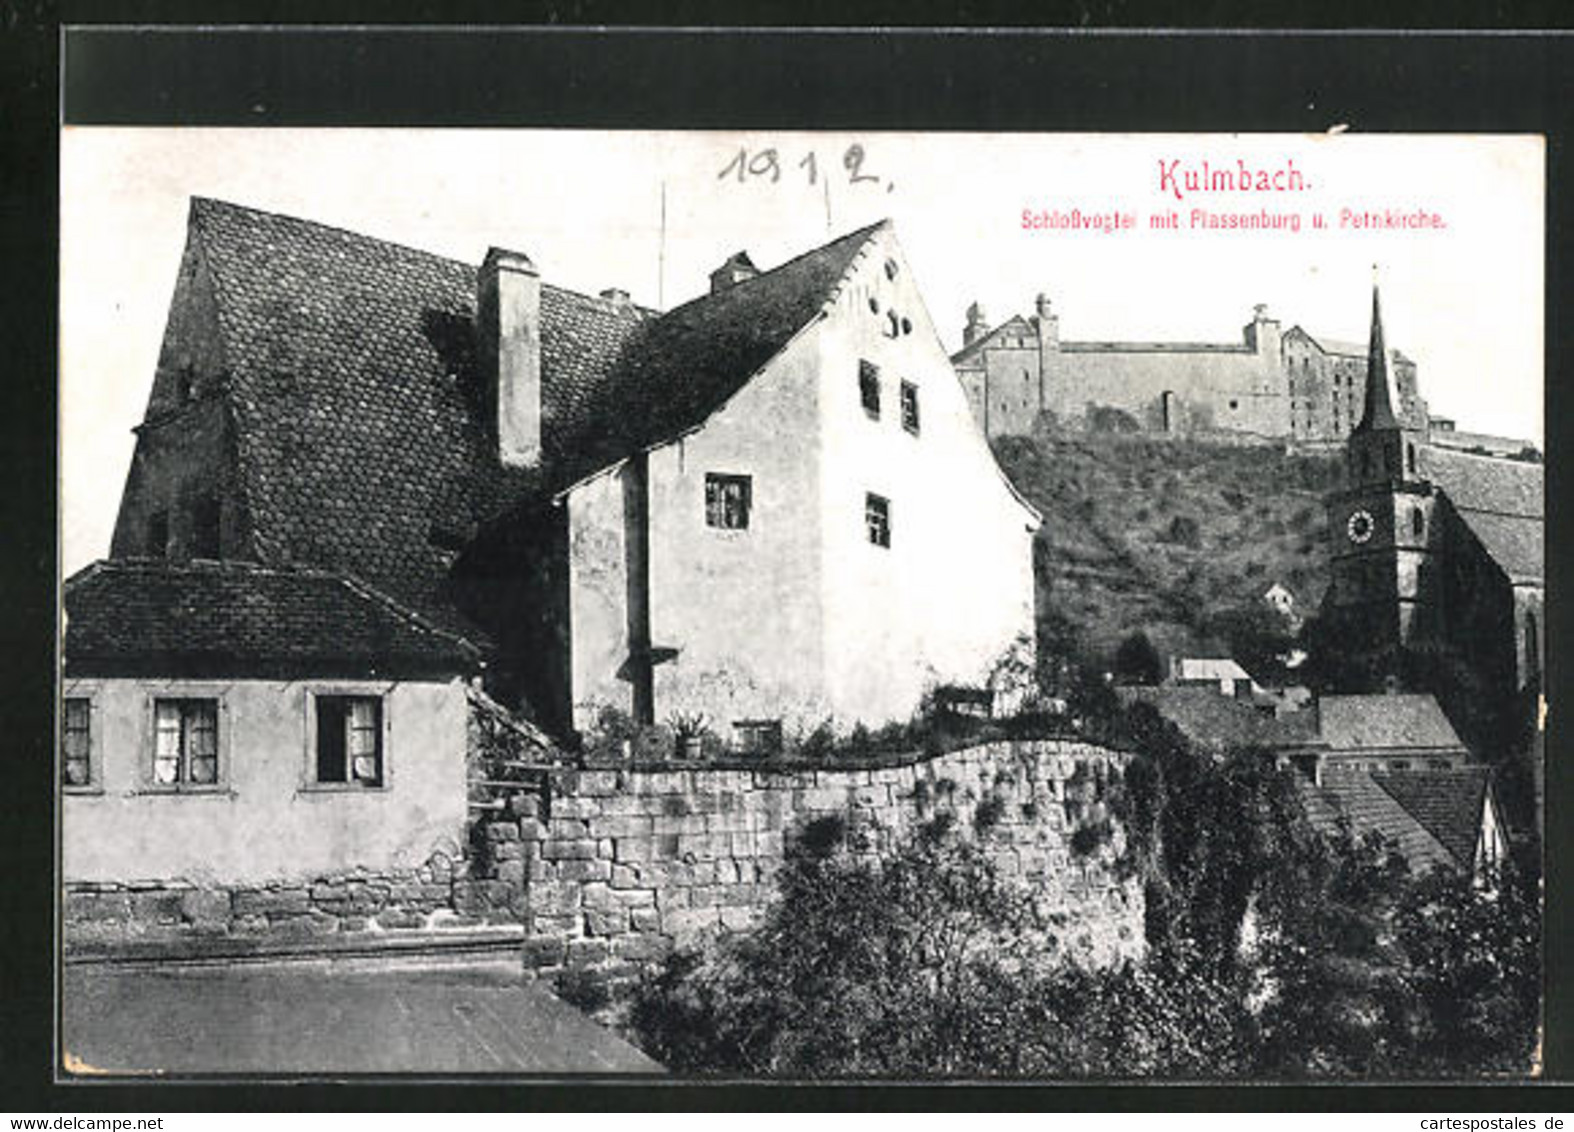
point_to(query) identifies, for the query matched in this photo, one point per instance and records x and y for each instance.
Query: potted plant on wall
(688, 730)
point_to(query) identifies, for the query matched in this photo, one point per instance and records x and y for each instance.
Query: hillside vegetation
(1164, 535)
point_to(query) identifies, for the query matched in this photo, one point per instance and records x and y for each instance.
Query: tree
(1137, 661)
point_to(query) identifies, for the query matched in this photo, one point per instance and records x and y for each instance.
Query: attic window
(869, 388)
(874, 304)
(890, 269)
(907, 326)
(893, 325)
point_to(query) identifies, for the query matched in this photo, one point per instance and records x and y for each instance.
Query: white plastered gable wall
(954, 590)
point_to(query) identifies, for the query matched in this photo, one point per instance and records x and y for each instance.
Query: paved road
(314, 1018)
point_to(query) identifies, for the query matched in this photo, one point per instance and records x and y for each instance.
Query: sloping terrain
(1156, 534)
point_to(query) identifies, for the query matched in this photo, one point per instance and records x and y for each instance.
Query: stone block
(508, 851)
(587, 952)
(735, 822)
(540, 951)
(559, 924)
(624, 876)
(533, 829)
(600, 783)
(541, 870)
(577, 870)
(567, 828)
(205, 906)
(643, 947)
(673, 898)
(704, 846)
(635, 897)
(675, 806)
(502, 831)
(738, 918)
(525, 805)
(271, 902)
(581, 849)
(621, 825)
(97, 907)
(399, 918)
(515, 870)
(606, 921)
(684, 923)
(310, 926)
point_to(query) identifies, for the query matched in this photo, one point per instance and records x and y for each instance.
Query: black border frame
(841, 78)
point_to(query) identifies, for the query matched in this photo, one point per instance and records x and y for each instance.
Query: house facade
(228, 724)
(742, 509)
(829, 543)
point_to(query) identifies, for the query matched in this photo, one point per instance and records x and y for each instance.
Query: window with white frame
(76, 742)
(186, 743)
(349, 741)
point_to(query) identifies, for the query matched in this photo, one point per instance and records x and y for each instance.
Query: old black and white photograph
(801, 606)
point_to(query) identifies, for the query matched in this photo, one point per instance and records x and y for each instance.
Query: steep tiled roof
(1355, 798)
(1448, 803)
(1360, 724)
(1501, 501)
(354, 391)
(357, 399)
(218, 619)
(683, 366)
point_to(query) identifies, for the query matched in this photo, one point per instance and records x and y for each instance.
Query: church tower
(1381, 524)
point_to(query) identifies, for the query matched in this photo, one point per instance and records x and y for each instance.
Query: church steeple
(1379, 409)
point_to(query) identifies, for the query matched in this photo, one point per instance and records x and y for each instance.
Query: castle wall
(1226, 388)
(625, 865)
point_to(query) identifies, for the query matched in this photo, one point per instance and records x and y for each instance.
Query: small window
(1417, 522)
(205, 527)
(893, 325)
(1235, 404)
(907, 326)
(874, 305)
(758, 737)
(877, 518)
(158, 534)
(890, 269)
(76, 742)
(869, 388)
(910, 407)
(185, 743)
(349, 740)
(728, 500)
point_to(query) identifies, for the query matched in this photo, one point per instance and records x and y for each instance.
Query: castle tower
(1382, 522)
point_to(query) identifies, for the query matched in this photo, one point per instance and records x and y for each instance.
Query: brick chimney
(738, 268)
(508, 324)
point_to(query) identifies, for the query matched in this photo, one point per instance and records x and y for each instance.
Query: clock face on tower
(1360, 526)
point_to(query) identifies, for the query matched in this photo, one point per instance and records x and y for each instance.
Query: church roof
(216, 619)
(1378, 409)
(355, 387)
(1501, 501)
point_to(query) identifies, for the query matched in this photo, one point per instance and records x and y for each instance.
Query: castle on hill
(1272, 383)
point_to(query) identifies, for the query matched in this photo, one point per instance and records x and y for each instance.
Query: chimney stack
(508, 322)
(616, 295)
(738, 268)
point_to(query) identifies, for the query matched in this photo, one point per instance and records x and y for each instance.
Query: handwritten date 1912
(767, 164)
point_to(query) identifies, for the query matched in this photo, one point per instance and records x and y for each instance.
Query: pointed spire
(1379, 410)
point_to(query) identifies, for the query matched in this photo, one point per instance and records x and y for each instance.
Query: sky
(654, 213)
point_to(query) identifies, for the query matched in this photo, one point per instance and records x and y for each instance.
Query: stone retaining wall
(622, 866)
(445, 892)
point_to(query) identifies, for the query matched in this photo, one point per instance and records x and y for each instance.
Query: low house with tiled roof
(232, 727)
(1432, 818)
(740, 509)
